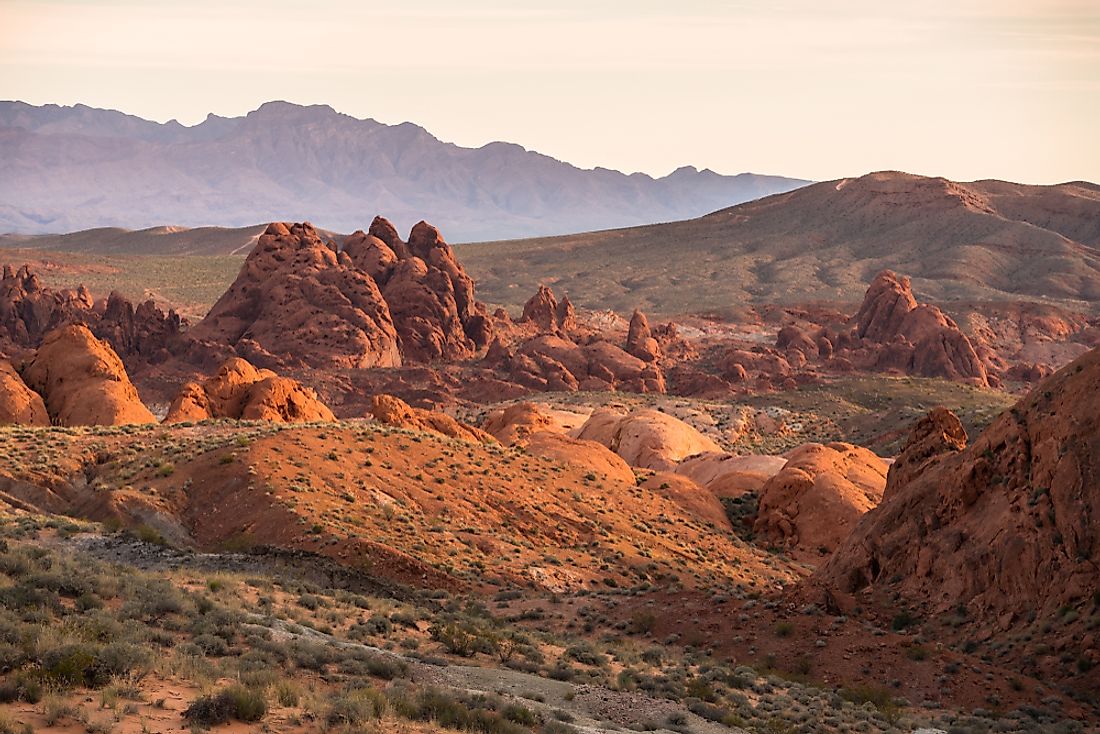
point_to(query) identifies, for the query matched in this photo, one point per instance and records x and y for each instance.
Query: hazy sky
(813, 88)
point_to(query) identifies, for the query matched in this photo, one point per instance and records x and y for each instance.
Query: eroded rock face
(299, 301)
(145, 331)
(919, 339)
(432, 298)
(544, 311)
(554, 360)
(19, 405)
(647, 439)
(887, 303)
(817, 498)
(239, 391)
(1009, 527)
(936, 435)
(82, 381)
(396, 412)
(28, 311)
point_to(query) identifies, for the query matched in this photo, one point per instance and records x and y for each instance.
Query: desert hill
(414, 508)
(985, 240)
(1001, 534)
(74, 168)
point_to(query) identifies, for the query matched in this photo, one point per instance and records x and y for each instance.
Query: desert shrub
(585, 654)
(901, 621)
(642, 622)
(556, 727)
(457, 639)
(917, 653)
(209, 711)
(287, 693)
(211, 645)
(880, 698)
(378, 624)
(476, 714)
(235, 702)
(356, 707)
(248, 703)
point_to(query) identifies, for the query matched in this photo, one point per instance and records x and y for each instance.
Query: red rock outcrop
(639, 339)
(1007, 529)
(28, 311)
(239, 391)
(516, 422)
(730, 476)
(936, 435)
(431, 297)
(82, 381)
(889, 332)
(297, 300)
(552, 361)
(19, 404)
(544, 311)
(918, 339)
(819, 495)
(396, 412)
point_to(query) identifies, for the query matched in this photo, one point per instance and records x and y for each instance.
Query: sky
(818, 89)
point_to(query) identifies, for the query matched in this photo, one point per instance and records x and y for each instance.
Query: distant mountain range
(71, 168)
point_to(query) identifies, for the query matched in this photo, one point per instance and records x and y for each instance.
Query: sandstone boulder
(639, 339)
(240, 391)
(82, 381)
(648, 439)
(817, 498)
(729, 475)
(512, 424)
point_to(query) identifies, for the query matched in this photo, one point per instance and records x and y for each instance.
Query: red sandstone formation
(82, 381)
(19, 404)
(818, 496)
(299, 301)
(648, 439)
(396, 412)
(431, 297)
(639, 339)
(29, 310)
(890, 332)
(240, 391)
(545, 312)
(1007, 530)
(562, 357)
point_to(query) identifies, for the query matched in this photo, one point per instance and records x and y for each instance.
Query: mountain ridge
(75, 168)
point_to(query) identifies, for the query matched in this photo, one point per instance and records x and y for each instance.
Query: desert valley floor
(282, 479)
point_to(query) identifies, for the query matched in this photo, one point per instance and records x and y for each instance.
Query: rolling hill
(73, 168)
(986, 240)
